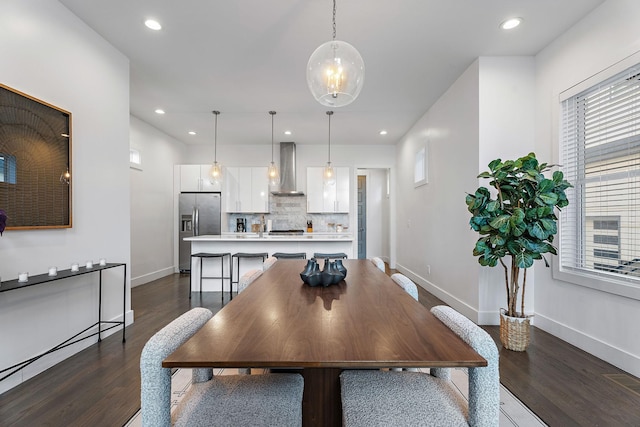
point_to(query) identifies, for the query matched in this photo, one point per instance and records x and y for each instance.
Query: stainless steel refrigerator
(199, 214)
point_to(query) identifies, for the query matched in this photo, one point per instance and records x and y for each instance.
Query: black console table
(11, 285)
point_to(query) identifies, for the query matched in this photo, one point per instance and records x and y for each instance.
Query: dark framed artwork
(35, 162)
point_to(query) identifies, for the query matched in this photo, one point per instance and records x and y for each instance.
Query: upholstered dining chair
(378, 262)
(268, 263)
(383, 398)
(267, 399)
(405, 283)
(248, 278)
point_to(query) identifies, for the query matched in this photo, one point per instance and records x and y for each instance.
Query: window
(600, 151)
(135, 159)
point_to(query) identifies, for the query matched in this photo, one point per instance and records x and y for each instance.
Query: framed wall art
(35, 162)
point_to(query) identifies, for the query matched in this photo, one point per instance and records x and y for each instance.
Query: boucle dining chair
(268, 263)
(383, 398)
(267, 399)
(378, 262)
(248, 278)
(405, 283)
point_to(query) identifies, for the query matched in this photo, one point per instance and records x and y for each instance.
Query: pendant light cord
(273, 113)
(215, 137)
(329, 113)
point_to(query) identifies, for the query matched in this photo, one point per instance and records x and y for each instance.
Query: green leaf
(485, 174)
(546, 185)
(549, 199)
(497, 240)
(495, 164)
(493, 206)
(537, 230)
(499, 221)
(549, 225)
(524, 260)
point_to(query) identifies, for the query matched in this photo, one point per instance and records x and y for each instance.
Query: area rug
(513, 413)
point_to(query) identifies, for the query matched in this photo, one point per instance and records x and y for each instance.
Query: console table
(11, 285)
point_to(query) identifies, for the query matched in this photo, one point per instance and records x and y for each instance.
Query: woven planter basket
(515, 332)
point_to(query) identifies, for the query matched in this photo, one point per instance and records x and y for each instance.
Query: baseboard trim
(150, 277)
(611, 354)
(457, 304)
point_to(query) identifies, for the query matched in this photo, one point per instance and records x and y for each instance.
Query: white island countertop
(235, 237)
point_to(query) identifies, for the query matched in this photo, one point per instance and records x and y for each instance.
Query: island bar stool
(290, 255)
(222, 256)
(338, 255)
(239, 255)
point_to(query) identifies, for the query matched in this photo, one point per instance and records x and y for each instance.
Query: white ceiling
(246, 57)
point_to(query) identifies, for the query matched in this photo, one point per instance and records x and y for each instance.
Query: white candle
(23, 277)
(74, 267)
(103, 261)
(53, 271)
(89, 264)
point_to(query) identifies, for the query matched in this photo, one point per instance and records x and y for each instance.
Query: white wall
(598, 322)
(434, 241)
(152, 198)
(50, 54)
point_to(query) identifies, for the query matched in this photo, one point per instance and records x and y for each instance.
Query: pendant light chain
(334, 20)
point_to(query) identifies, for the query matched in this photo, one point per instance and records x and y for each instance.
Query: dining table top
(365, 321)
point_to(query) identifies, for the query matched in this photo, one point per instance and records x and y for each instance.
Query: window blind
(600, 154)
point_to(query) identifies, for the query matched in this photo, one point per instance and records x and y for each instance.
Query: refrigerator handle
(194, 219)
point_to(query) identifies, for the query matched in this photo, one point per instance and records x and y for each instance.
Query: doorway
(362, 217)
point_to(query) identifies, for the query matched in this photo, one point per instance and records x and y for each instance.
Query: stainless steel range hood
(287, 171)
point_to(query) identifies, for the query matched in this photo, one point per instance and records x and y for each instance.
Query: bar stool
(240, 255)
(202, 255)
(290, 255)
(338, 255)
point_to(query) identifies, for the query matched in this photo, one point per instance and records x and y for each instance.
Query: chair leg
(200, 278)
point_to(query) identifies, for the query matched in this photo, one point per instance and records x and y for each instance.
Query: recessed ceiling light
(511, 23)
(159, 111)
(153, 24)
(191, 132)
(383, 132)
(287, 132)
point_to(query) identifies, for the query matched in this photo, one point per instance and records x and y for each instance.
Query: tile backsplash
(290, 213)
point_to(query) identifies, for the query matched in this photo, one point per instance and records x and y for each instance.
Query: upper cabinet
(323, 198)
(196, 178)
(246, 190)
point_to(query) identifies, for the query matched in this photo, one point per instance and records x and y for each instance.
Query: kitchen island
(252, 242)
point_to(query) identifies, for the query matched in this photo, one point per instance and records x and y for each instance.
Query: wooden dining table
(363, 322)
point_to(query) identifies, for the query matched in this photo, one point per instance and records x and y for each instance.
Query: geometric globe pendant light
(216, 168)
(335, 71)
(272, 172)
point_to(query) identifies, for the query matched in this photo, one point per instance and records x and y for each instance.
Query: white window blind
(600, 154)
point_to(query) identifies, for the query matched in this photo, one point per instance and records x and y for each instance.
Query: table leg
(321, 404)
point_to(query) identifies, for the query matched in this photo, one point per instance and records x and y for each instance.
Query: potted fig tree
(517, 223)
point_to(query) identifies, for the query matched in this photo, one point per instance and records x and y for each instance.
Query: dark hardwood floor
(100, 386)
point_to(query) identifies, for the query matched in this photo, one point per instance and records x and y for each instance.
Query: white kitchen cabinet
(323, 198)
(197, 178)
(246, 189)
